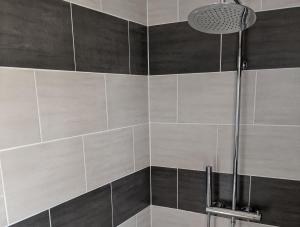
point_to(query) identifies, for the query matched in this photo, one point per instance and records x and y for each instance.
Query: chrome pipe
(237, 127)
(234, 213)
(208, 191)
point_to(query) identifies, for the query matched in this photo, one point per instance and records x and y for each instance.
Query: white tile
(268, 151)
(42, 176)
(210, 97)
(133, 10)
(127, 100)
(3, 219)
(168, 217)
(131, 222)
(162, 12)
(71, 103)
(187, 6)
(141, 147)
(163, 98)
(253, 4)
(144, 218)
(277, 4)
(183, 146)
(109, 156)
(278, 97)
(19, 115)
(92, 4)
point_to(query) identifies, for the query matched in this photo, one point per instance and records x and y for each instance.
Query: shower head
(222, 18)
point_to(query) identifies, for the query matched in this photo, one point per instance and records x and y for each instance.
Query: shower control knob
(244, 65)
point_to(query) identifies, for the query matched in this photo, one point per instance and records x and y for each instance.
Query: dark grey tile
(130, 195)
(273, 42)
(177, 48)
(39, 220)
(101, 41)
(278, 200)
(36, 34)
(222, 189)
(91, 209)
(192, 190)
(164, 186)
(138, 49)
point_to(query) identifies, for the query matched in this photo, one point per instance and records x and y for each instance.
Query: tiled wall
(74, 138)
(192, 94)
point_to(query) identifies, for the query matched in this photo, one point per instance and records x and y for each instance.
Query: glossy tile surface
(131, 194)
(101, 41)
(39, 220)
(47, 174)
(19, 113)
(278, 200)
(109, 156)
(141, 147)
(278, 97)
(177, 48)
(36, 34)
(144, 218)
(163, 98)
(183, 146)
(276, 4)
(161, 12)
(210, 97)
(273, 42)
(92, 4)
(70, 103)
(127, 100)
(264, 151)
(92, 209)
(138, 49)
(133, 10)
(3, 218)
(164, 186)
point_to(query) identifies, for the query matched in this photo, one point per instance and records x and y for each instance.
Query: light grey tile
(210, 97)
(183, 146)
(278, 97)
(71, 103)
(3, 219)
(131, 222)
(42, 176)
(187, 6)
(162, 12)
(163, 98)
(141, 147)
(277, 4)
(127, 100)
(109, 156)
(225, 222)
(253, 4)
(133, 10)
(270, 151)
(168, 217)
(19, 116)
(144, 218)
(92, 4)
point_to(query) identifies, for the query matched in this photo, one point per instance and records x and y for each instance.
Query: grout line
(254, 101)
(178, 19)
(112, 205)
(136, 220)
(177, 97)
(261, 4)
(250, 189)
(134, 167)
(177, 191)
(4, 193)
(50, 223)
(217, 149)
(84, 163)
(129, 57)
(38, 106)
(73, 39)
(71, 137)
(106, 100)
(100, 5)
(221, 51)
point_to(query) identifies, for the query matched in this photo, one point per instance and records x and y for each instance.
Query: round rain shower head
(222, 18)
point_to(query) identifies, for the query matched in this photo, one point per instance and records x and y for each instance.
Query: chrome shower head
(222, 18)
